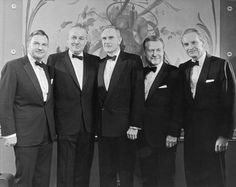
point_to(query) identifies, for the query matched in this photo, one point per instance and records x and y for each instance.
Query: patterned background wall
(135, 18)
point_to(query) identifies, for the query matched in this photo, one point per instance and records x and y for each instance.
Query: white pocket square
(51, 81)
(164, 86)
(210, 80)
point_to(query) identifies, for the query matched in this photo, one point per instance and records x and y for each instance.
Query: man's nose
(154, 53)
(77, 40)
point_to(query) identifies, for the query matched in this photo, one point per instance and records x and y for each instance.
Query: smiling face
(111, 40)
(193, 45)
(154, 52)
(38, 47)
(77, 39)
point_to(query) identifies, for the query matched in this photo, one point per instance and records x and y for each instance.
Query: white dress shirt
(195, 73)
(78, 66)
(149, 79)
(110, 65)
(41, 76)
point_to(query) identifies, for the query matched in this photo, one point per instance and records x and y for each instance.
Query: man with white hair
(208, 90)
(121, 101)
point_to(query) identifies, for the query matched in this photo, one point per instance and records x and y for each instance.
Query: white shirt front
(110, 65)
(149, 79)
(78, 66)
(195, 73)
(41, 76)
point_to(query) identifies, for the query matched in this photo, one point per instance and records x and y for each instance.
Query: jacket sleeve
(8, 86)
(176, 104)
(137, 103)
(227, 99)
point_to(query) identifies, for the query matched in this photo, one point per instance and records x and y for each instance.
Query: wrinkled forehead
(39, 39)
(192, 36)
(77, 31)
(154, 45)
(110, 32)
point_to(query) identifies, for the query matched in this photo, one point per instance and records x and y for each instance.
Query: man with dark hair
(75, 84)
(26, 113)
(208, 90)
(121, 99)
(160, 129)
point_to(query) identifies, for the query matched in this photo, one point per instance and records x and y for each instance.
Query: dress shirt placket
(108, 72)
(42, 81)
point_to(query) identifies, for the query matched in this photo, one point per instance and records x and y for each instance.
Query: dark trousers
(75, 154)
(158, 166)
(204, 169)
(33, 165)
(116, 161)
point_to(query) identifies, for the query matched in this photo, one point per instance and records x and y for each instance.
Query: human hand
(10, 141)
(171, 141)
(132, 133)
(221, 144)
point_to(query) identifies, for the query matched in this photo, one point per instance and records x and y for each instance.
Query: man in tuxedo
(160, 129)
(26, 113)
(121, 100)
(75, 84)
(208, 86)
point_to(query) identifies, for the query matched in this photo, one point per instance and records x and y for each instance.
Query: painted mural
(135, 19)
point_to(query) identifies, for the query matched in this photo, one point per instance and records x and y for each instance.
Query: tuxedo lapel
(30, 71)
(187, 76)
(86, 69)
(118, 69)
(68, 64)
(203, 75)
(158, 80)
(101, 70)
(49, 84)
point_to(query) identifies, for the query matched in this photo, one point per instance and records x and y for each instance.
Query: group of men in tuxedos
(133, 109)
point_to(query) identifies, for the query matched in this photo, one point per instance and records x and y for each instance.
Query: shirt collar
(70, 54)
(32, 60)
(201, 59)
(117, 53)
(158, 65)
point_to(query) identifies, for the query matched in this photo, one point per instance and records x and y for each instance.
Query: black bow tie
(196, 63)
(79, 57)
(42, 65)
(111, 57)
(148, 69)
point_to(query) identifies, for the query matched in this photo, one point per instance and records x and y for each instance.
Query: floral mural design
(134, 18)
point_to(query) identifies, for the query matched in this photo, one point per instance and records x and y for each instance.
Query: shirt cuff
(135, 128)
(9, 136)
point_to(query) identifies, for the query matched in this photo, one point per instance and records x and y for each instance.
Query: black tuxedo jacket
(210, 114)
(160, 107)
(73, 107)
(122, 105)
(22, 109)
